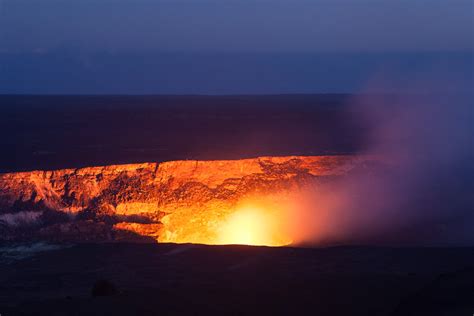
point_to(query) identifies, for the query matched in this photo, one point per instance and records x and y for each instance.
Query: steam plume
(425, 194)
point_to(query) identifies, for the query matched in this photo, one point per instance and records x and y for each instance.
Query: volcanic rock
(157, 200)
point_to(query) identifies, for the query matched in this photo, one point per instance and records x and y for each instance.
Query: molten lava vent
(244, 201)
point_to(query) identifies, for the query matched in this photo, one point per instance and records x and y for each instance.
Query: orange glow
(257, 221)
(252, 226)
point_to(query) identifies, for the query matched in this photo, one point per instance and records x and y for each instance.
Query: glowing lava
(252, 226)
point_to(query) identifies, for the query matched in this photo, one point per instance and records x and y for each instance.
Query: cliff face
(177, 201)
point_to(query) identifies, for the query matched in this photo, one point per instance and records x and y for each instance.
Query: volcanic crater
(189, 201)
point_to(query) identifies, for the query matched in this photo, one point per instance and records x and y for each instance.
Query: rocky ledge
(150, 201)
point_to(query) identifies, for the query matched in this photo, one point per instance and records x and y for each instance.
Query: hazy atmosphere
(232, 46)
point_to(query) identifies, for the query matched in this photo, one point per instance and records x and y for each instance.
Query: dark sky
(230, 46)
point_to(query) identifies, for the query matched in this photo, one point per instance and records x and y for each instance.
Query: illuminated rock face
(177, 201)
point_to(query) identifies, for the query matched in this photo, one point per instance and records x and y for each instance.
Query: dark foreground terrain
(169, 279)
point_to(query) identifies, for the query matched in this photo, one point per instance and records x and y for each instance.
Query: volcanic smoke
(423, 198)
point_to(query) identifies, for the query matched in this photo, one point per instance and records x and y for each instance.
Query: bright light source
(252, 226)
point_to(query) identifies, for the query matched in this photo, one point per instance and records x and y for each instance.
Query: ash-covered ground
(168, 279)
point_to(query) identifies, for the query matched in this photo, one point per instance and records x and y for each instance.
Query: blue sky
(46, 45)
(237, 25)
